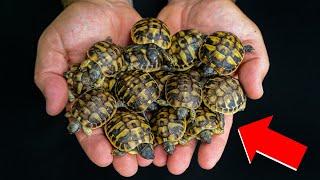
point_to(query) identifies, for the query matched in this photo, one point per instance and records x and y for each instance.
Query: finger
(179, 161)
(166, 14)
(50, 65)
(97, 147)
(142, 162)
(209, 154)
(125, 165)
(160, 158)
(254, 68)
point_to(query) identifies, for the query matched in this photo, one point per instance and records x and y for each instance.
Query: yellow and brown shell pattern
(182, 90)
(82, 80)
(92, 110)
(161, 77)
(224, 95)
(223, 51)
(108, 56)
(184, 49)
(151, 30)
(126, 131)
(205, 125)
(145, 57)
(137, 90)
(167, 128)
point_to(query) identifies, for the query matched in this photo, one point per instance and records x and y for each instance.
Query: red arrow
(257, 137)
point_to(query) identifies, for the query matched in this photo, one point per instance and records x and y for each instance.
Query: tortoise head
(205, 136)
(182, 112)
(73, 127)
(95, 72)
(146, 150)
(168, 147)
(248, 48)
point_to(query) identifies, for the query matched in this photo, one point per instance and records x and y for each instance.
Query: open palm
(65, 42)
(209, 16)
(85, 22)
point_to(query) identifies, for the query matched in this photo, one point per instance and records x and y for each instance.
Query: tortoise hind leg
(168, 147)
(146, 150)
(206, 136)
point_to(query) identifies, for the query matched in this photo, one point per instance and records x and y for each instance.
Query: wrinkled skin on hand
(65, 42)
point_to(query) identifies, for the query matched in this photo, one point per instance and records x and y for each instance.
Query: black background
(35, 145)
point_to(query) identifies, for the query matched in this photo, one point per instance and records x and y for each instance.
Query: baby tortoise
(137, 90)
(130, 133)
(184, 49)
(82, 80)
(183, 92)
(204, 126)
(107, 55)
(151, 30)
(167, 128)
(223, 51)
(145, 57)
(224, 95)
(91, 111)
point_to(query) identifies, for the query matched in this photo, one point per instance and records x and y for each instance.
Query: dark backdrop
(37, 145)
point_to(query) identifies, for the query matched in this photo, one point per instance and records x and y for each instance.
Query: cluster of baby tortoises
(163, 89)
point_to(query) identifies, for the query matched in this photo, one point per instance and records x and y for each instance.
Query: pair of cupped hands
(80, 25)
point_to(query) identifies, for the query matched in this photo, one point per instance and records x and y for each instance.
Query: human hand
(65, 42)
(209, 16)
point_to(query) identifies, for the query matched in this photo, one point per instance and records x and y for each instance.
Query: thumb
(50, 66)
(54, 89)
(253, 70)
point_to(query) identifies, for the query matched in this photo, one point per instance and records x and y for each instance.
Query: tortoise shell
(107, 55)
(183, 90)
(161, 77)
(108, 84)
(167, 127)
(93, 109)
(151, 30)
(205, 120)
(223, 51)
(82, 80)
(184, 49)
(137, 90)
(145, 57)
(224, 95)
(127, 130)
